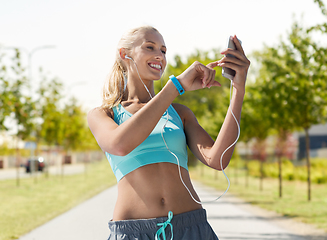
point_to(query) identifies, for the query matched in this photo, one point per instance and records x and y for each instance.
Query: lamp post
(30, 54)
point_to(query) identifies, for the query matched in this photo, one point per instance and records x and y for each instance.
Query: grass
(294, 202)
(33, 204)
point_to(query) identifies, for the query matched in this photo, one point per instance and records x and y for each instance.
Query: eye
(163, 51)
(150, 47)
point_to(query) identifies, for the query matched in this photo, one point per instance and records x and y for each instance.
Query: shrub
(291, 172)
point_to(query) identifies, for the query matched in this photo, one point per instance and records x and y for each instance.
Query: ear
(122, 53)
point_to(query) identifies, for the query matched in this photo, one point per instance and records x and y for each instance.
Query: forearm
(227, 134)
(134, 131)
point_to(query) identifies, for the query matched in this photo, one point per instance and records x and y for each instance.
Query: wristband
(179, 87)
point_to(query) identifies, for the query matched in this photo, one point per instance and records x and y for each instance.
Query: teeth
(155, 65)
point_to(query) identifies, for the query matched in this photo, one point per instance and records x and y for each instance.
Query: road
(54, 170)
(230, 217)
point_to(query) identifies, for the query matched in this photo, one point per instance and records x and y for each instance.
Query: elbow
(118, 149)
(218, 165)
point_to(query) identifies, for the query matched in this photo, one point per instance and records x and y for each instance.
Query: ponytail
(113, 89)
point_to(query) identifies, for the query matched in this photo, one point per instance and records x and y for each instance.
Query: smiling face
(149, 54)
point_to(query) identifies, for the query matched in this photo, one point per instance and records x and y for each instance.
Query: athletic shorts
(191, 225)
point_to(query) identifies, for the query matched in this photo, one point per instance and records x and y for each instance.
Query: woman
(131, 127)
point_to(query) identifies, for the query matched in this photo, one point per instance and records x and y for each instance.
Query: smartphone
(227, 72)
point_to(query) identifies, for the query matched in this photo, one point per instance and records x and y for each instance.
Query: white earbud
(128, 57)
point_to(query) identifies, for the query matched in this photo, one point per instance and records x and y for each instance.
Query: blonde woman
(144, 136)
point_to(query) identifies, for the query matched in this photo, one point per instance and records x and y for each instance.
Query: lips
(155, 66)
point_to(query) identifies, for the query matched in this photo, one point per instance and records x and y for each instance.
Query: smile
(156, 66)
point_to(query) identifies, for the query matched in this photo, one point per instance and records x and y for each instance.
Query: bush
(254, 168)
(291, 172)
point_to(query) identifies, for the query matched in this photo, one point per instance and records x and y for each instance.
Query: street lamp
(30, 60)
(30, 54)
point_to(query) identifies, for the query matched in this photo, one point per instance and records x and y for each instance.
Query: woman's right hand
(198, 76)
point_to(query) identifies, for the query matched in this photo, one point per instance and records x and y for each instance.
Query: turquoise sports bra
(153, 148)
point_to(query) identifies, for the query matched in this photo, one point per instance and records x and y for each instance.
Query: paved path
(231, 218)
(11, 173)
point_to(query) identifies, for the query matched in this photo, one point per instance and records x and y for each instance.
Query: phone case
(227, 72)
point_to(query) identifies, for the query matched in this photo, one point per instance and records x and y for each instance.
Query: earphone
(179, 167)
(128, 57)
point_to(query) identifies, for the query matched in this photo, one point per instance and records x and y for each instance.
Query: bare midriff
(152, 191)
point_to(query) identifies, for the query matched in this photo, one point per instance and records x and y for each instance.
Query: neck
(137, 92)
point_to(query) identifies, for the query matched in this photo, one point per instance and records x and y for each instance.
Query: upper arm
(198, 140)
(102, 127)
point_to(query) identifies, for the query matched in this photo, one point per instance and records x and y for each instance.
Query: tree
(294, 85)
(50, 124)
(255, 123)
(22, 106)
(75, 125)
(5, 92)
(208, 105)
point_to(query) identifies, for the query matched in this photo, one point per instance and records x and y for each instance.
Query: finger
(211, 77)
(233, 60)
(234, 53)
(213, 82)
(233, 66)
(212, 64)
(204, 72)
(238, 45)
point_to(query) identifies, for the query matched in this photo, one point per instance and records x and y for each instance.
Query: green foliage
(321, 6)
(293, 81)
(48, 106)
(15, 103)
(5, 103)
(75, 125)
(209, 105)
(290, 171)
(5, 150)
(45, 120)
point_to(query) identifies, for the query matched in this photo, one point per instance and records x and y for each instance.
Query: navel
(163, 201)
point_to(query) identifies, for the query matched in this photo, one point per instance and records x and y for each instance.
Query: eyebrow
(149, 41)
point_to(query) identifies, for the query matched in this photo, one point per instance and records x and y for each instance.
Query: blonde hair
(113, 89)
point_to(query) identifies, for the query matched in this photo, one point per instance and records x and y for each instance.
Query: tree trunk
(280, 175)
(307, 143)
(235, 160)
(246, 165)
(17, 165)
(261, 175)
(47, 162)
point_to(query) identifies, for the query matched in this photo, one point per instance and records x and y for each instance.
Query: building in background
(318, 142)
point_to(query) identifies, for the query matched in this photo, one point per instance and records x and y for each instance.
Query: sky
(83, 34)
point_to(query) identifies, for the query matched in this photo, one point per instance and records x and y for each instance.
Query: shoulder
(185, 113)
(99, 112)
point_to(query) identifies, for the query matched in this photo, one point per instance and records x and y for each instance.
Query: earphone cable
(221, 157)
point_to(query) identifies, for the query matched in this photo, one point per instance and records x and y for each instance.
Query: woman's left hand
(239, 63)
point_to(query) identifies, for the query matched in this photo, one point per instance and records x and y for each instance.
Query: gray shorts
(186, 226)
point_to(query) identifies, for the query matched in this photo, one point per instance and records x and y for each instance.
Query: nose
(160, 55)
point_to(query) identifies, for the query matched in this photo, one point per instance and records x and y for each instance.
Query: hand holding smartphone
(227, 72)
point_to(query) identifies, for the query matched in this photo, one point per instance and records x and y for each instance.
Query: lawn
(294, 202)
(34, 203)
